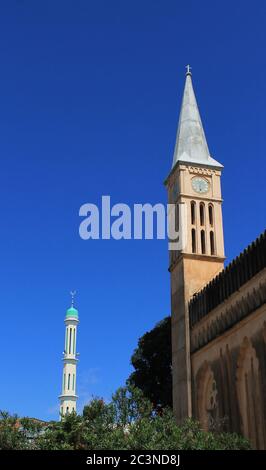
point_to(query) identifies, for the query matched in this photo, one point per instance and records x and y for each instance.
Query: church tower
(194, 180)
(68, 397)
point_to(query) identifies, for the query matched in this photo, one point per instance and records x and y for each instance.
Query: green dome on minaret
(72, 311)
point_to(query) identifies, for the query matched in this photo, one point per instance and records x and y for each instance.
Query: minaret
(68, 398)
(194, 180)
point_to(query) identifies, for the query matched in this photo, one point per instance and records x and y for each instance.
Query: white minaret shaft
(68, 397)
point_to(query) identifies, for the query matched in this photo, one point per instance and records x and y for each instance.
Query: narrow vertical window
(193, 240)
(202, 213)
(193, 213)
(64, 382)
(74, 340)
(203, 245)
(176, 217)
(211, 215)
(68, 382)
(212, 243)
(70, 338)
(67, 409)
(66, 340)
(73, 383)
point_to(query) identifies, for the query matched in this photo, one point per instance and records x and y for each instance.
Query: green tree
(67, 434)
(152, 361)
(18, 433)
(129, 421)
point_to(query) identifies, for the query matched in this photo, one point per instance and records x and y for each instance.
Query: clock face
(200, 185)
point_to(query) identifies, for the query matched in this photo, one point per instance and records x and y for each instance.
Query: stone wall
(228, 363)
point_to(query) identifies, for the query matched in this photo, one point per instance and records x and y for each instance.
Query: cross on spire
(188, 70)
(72, 293)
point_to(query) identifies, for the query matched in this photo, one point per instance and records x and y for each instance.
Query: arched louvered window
(193, 212)
(212, 245)
(202, 213)
(203, 242)
(193, 240)
(211, 215)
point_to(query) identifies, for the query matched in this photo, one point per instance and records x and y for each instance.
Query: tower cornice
(194, 197)
(199, 168)
(195, 256)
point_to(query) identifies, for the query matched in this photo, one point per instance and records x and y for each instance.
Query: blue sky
(89, 100)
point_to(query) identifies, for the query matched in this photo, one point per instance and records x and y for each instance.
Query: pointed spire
(191, 145)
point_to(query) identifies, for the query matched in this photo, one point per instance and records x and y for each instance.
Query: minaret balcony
(71, 358)
(68, 396)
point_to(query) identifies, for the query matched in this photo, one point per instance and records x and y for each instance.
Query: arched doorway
(207, 397)
(249, 394)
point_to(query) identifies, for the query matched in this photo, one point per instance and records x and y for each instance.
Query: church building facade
(218, 315)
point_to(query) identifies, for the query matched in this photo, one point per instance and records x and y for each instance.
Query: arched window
(212, 243)
(68, 382)
(203, 244)
(70, 338)
(64, 384)
(193, 240)
(202, 213)
(193, 212)
(211, 215)
(73, 384)
(67, 409)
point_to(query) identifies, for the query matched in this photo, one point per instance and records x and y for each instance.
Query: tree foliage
(18, 433)
(152, 361)
(127, 422)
